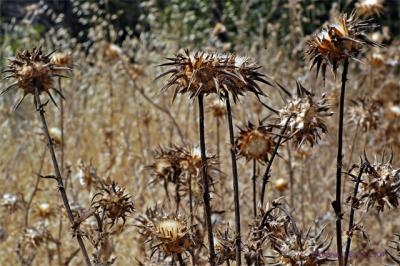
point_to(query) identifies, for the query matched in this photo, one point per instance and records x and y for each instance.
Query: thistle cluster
(205, 73)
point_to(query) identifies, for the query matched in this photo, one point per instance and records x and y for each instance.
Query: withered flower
(281, 184)
(11, 202)
(44, 210)
(205, 73)
(166, 165)
(365, 113)
(255, 142)
(113, 201)
(307, 116)
(170, 234)
(224, 247)
(394, 250)
(368, 8)
(218, 109)
(340, 40)
(380, 184)
(61, 59)
(30, 70)
(301, 249)
(35, 236)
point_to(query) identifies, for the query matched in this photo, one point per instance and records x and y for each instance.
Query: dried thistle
(87, 175)
(368, 8)
(61, 59)
(380, 184)
(281, 184)
(205, 73)
(301, 249)
(365, 113)
(170, 233)
(255, 142)
(44, 211)
(113, 201)
(307, 116)
(11, 202)
(224, 247)
(394, 250)
(218, 109)
(338, 41)
(166, 166)
(33, 69)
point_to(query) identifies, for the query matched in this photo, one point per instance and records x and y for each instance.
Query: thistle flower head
(166, 165)
(44, 210)
(224, 244)
(338, 41)
(170, 234)
(205, 73)
(255, 142)
(368, 8)
(61, 59)
(32, 69)
(11, 202)
(35, 236)
(301, 249)
(218, 109)
(113, 201)
(281, 184)
(365, 113)
(307, 117)
(380, 184)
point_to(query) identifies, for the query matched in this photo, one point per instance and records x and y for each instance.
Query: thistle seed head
(340, 40)
(205, 73)
(368, 8)
(113, 201)
(32, 69)
(255, 142)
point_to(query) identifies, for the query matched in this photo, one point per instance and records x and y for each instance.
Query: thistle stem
(63, 194)
(254, 179)
(180, 260)
(337, 205)
(267, 170)
(61, 126)
(352, 212)
(235, 181)
(206, 194)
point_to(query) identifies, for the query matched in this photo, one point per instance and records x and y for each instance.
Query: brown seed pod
(205, 73)
(343, 39)
(33, 69)
(113, 201)
(255, 142)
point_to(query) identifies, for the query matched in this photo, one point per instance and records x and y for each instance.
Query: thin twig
(234, 180)
(63, 194)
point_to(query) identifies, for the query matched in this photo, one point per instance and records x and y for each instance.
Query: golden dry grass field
(172, 148)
